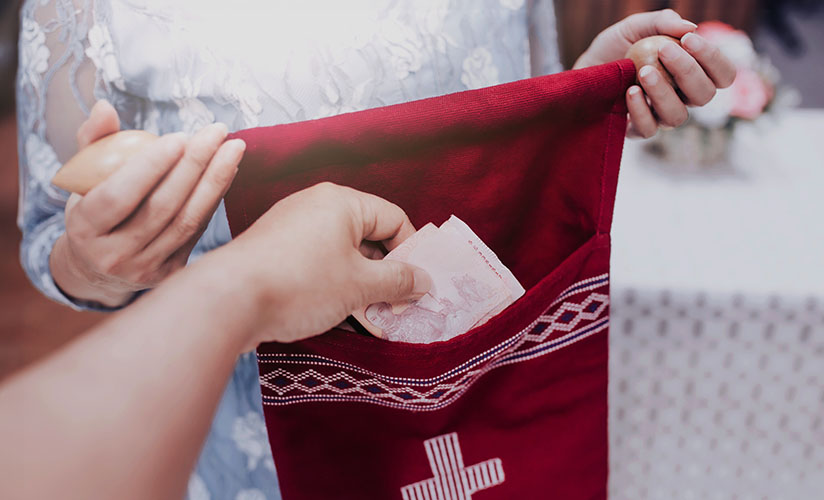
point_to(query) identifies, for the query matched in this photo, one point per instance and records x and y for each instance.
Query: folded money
(470, 286)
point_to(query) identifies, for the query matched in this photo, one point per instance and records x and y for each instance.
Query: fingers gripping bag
(514, 408)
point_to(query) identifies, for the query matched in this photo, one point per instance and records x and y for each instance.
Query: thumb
(101, 122)
(393, 281)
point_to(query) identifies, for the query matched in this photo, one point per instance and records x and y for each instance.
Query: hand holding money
(470, 286)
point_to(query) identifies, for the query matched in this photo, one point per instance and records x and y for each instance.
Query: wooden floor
(30, 325)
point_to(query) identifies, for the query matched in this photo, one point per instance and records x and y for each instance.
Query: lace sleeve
(544, 55)
(56, 84)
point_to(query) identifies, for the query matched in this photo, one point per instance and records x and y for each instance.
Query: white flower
(739, 49)
(34, 54)
(432, 24)
(197, 489)
(479, 70)
(43, 164)
(356, 98)
(325, 110)
(192, 112)
(404, 47)
(512, 4)
(40, 156)
(101, 52)
(268, 460)
(245, 96)
(149, 120)
(329, 87)
(253, 494)
(249, 435)
(716, 113)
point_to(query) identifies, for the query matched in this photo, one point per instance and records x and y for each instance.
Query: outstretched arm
(122, 411)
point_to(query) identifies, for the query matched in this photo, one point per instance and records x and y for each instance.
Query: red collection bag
(515, 408)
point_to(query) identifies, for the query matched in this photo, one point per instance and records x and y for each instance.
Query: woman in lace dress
(171, 67)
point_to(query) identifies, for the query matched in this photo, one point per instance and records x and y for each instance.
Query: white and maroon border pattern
(577, 313)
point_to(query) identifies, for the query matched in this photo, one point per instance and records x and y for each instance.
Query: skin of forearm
(123, 411)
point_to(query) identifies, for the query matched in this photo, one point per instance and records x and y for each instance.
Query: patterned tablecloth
(717, 321)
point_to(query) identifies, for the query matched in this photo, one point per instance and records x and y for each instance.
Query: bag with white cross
(516, 407)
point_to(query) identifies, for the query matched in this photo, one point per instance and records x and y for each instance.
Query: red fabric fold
(514, 407)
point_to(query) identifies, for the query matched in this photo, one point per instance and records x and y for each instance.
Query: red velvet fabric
(516, 408)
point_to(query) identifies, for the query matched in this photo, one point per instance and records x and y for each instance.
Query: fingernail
(689, 24)
(648, 73)
(240, 144)
(692, 42)
(222, 127)
(102, 103)
(669, 52)
(423, 283)
(634, 90)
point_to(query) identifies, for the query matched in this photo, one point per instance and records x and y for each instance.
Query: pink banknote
(470, 286)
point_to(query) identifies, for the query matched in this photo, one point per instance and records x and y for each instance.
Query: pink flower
(715, 31)
(750, 94)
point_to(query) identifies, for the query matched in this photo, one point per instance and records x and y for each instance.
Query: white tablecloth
(717, 321)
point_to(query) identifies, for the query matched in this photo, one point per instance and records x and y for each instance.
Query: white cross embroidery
(451, 480)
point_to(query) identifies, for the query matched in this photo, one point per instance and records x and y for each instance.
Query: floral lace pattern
(177, 66)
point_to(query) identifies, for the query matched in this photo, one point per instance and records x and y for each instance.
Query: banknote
(470, 286)
(458, 227)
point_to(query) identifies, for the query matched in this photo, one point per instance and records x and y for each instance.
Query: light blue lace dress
(178, 65)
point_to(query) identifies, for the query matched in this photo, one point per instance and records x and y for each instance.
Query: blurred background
(30, 324)
(717, 336)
